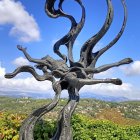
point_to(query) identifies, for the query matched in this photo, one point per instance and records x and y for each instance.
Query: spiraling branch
(86, 50)
(100, 52)
(71, 36)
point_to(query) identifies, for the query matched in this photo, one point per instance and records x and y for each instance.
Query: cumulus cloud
(2, 71)
(108, 88)
(104, 74)
(126, 90)
(24, 84)
(24, 25)
(20, 61)
(132, 69)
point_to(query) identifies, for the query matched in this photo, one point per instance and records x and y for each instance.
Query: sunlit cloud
(2, 72)
(105, 74)
(20, 61)
(24, 26)
(126, 90)
(132, 69)
(29, 84)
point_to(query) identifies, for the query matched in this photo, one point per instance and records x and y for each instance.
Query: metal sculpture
(73, 77)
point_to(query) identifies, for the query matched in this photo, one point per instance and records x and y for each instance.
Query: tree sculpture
(72, 77)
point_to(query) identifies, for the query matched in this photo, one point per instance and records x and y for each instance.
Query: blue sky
(24, 22)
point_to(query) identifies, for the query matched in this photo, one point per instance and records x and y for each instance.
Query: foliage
(84, 128)
(10, 125)
(44, 130)
(115, 116)
(88, 129)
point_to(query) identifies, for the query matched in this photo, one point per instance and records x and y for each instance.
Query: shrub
(84, 128)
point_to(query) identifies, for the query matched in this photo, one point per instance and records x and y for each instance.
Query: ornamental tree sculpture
(73, 76)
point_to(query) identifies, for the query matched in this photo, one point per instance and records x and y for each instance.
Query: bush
(84, 128)
(88, 129)
(10, 125)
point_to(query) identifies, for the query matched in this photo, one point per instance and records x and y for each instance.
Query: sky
(24, 22)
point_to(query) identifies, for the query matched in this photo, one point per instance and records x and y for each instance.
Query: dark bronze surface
(72, 77)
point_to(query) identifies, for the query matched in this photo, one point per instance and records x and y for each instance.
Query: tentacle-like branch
(78, 83)
(45, 76)
(74, 33)
(26, 131)
(38, 61)
(70, 37)
(49, 9)
(86, 50)
(100, 52)
(107, 66)
(82, 82)
(53, 13)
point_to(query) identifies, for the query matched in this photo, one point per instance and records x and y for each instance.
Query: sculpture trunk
(64, 130)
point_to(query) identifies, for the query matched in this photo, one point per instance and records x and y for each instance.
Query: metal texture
(72, 77)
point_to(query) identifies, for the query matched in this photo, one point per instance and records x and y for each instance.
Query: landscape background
(92, 120)
(105, 111)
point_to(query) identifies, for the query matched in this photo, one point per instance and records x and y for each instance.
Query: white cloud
(2, 72)
(24, 85)
(125, 90)
(132, 69)
(104, 74)
(20, 61)
(24, 25)
(108, 88)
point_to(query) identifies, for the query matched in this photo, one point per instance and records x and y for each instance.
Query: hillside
(92, 120)
(89, 107)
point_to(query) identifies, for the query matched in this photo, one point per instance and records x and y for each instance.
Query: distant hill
(104, 97)
(17, 94)
(90, 107)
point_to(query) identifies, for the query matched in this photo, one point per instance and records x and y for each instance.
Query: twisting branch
(79, 82)
(100, 52)
(53, 13)
(108, 66)
(29, 69)
(26, 131)
(70, 37)
(74, 32)
(86, 50)
(49, 9)
(38, 61)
